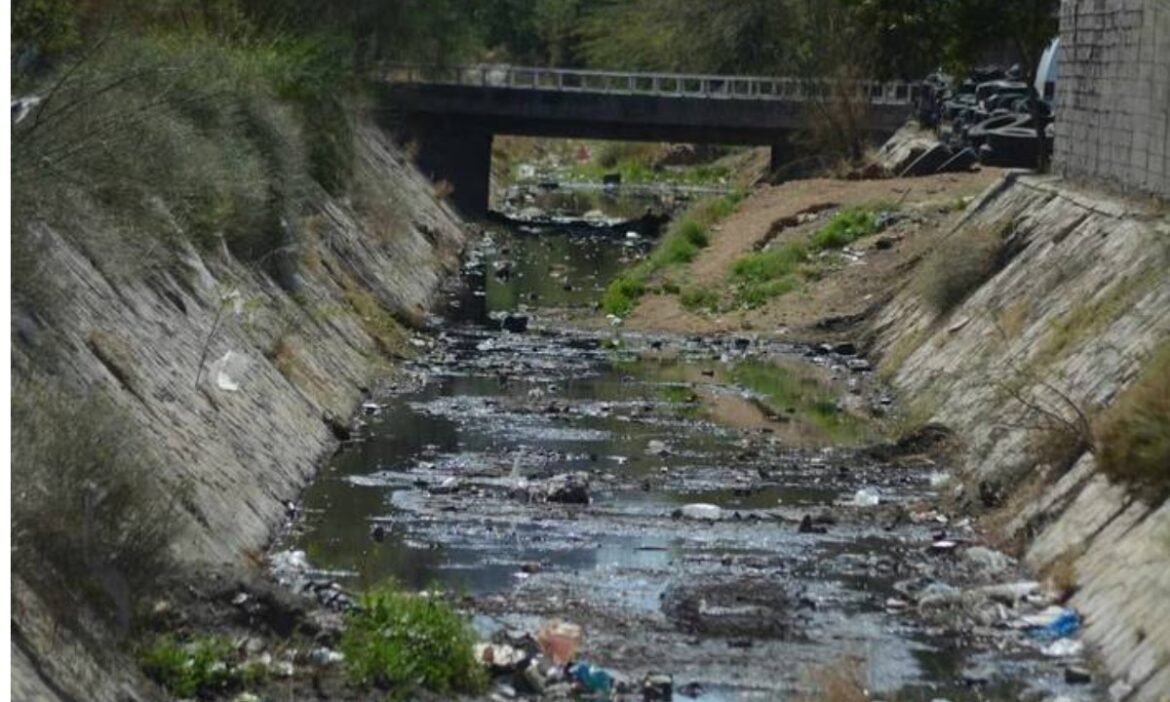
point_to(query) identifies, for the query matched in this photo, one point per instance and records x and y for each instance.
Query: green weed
(400, 640)
(201, 667)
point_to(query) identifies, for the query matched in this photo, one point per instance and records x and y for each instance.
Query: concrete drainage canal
(709, 545)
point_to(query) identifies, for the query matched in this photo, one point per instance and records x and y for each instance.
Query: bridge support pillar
(783, 154)
(459, 154)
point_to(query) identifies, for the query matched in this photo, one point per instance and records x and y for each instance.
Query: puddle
(436, 494)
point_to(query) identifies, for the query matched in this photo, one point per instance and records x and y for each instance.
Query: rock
(449, 485)
(283, 669)
(858, 365)
(253, 646)
(657, 687)
(979, 675)
(1076, 675)
(845, 349)
(516, 323)
(866, 497)
(1064, 648)
(986, 559)
(700, 511)
(325, 657)
(1008, 593)
(246, 697)
(657, 448)
(337, 427)
(938, 595)
(691, 689)
(570, 488)
(807, 526)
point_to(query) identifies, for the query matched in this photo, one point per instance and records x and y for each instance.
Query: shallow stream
(438, 491)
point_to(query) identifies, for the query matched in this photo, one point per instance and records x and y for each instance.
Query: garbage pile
(546, 665)
(990, 117)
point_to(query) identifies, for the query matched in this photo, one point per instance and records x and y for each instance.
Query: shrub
(87, 501)
(400, 640)
(202, 666)
(958, 266)
(167, 137)
(1133, 436)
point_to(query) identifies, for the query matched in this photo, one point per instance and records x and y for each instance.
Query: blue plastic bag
(1065, 624)
(594, 679)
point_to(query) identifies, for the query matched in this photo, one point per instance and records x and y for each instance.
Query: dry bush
(1133, 436)
(959, 265)
(1061, 573)
(91, 522)
(838, 116)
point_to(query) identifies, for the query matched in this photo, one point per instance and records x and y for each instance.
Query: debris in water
(866, 497)
(700, 511)
(559, 640)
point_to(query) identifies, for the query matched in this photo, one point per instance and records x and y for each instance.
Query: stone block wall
(1113, 94)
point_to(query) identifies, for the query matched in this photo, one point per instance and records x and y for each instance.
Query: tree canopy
(882, 38)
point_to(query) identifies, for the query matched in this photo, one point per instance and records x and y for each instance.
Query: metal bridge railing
(656, 84)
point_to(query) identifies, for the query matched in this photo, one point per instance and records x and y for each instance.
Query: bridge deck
(651, 84)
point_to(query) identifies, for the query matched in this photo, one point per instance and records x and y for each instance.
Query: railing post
(560, 80)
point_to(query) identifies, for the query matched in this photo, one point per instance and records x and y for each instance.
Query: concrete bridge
(452, 113)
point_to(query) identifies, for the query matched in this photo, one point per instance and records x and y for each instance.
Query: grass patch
(959, 265)
(849, 225)
(686, 236)
(1087, 319)
(759, 277)
(800, 394)
(398, 641)
(778, 270)
(1133, 435)
(635, 163)
(699, 299)
(204, 666)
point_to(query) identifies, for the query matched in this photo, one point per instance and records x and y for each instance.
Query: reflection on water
(520, 270)
(472, 424)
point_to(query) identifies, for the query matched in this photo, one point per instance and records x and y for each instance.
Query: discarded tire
(1010, 147)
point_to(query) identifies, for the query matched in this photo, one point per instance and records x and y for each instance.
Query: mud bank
(1068, 322)
(230, 374)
